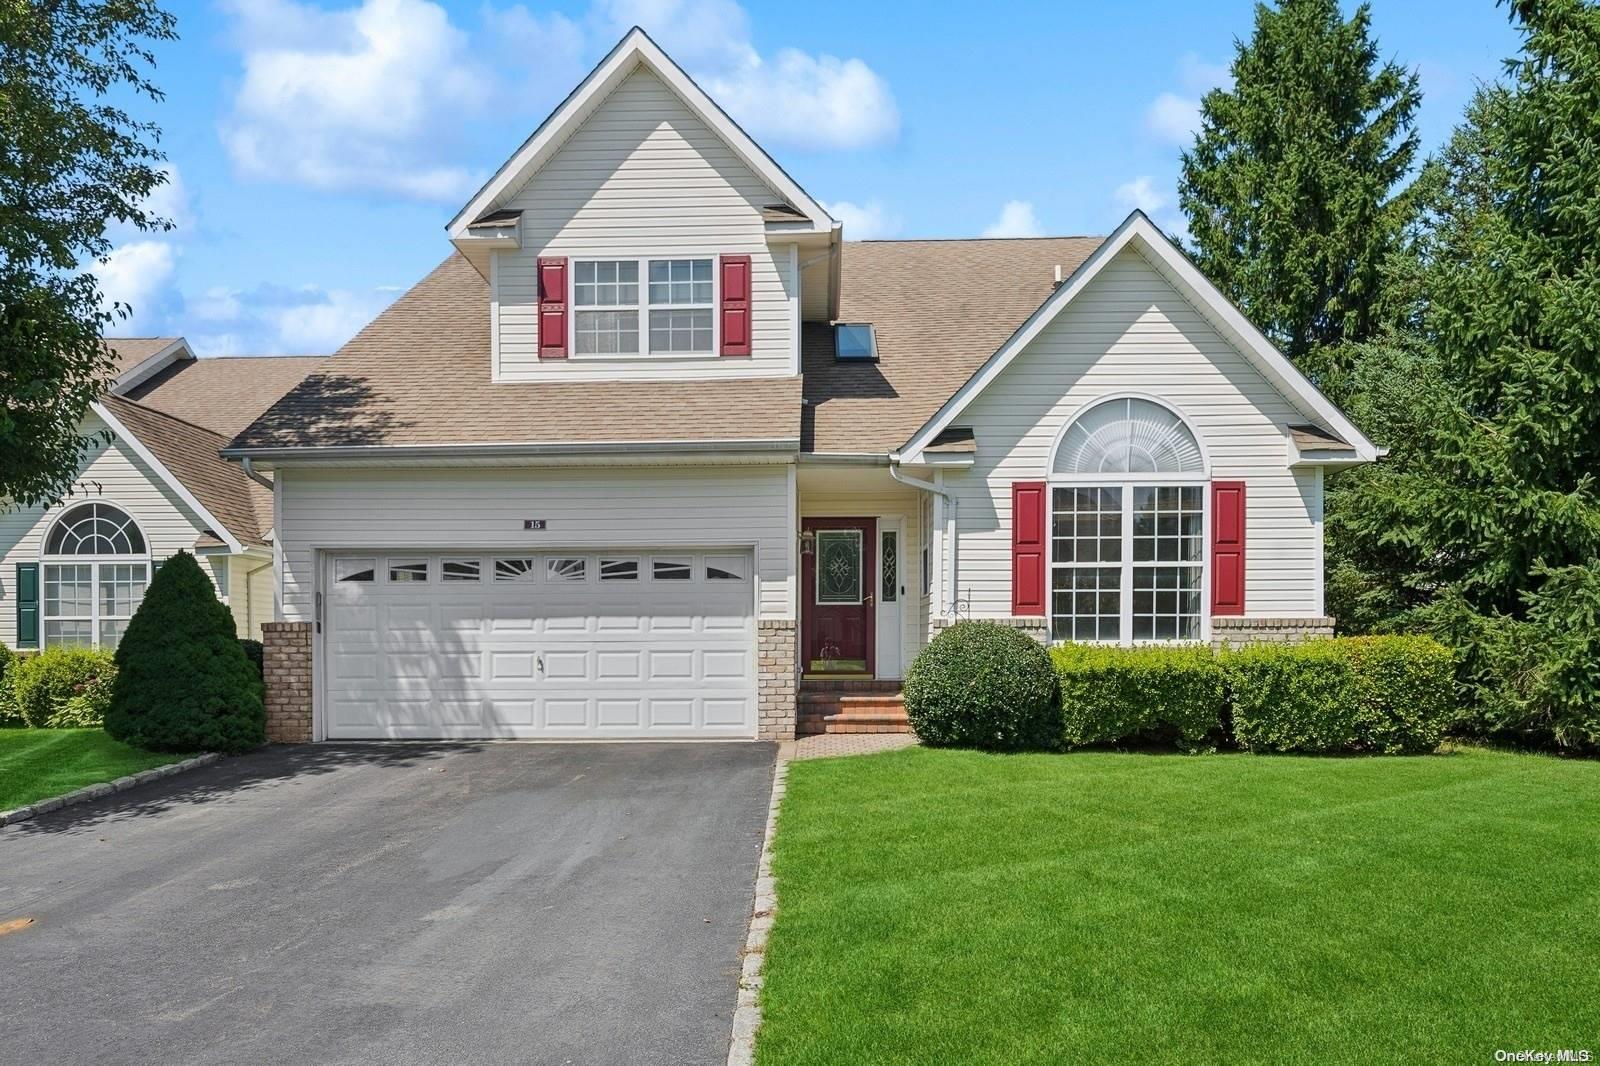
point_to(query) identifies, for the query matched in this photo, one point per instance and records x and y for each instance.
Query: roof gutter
(507, 450)
(251, 473)
(952, 553)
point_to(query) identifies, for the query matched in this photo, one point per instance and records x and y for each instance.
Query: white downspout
(952, 566)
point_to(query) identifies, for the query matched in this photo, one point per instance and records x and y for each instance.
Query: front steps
(850, 707)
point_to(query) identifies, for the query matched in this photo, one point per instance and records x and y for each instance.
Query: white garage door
(465, 644)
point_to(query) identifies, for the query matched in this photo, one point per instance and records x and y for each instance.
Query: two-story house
(654, 451)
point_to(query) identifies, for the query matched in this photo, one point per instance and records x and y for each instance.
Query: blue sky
(319, 147)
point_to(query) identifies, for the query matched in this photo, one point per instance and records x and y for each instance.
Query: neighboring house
(653, 444)
(153, 484)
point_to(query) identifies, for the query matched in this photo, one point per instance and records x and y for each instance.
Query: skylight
(854, 342)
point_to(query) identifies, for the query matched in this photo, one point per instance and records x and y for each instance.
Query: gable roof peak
(635, 49)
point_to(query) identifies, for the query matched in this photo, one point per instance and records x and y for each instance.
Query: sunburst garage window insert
(676, 303)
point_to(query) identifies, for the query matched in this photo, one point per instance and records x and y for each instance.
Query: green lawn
(39, 763)
(947, 906)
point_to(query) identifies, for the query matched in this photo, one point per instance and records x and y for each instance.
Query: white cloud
(1142, 193)
(810, 101)
(699, 34)
(361, 98)
(864, 222)
(135, 275)
(1016, 220)
(793, 98)
(275, 319)
(1175, 116)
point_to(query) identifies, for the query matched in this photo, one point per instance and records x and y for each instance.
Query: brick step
(849, 702)
(875, 720)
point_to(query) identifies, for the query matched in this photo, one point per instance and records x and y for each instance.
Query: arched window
(96, 567)
(1128, 436)
(1127, 527)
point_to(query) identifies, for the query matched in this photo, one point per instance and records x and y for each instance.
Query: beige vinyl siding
(114, 474)
(1129, 331)
(250, 595)
(642, 176)
(586, 509)
(888, 504)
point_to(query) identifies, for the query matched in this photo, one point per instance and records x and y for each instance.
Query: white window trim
(644, 307)
(1128, 565)
(93, 562)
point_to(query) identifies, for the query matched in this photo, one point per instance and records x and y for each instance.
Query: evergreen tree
(1294, 186)
(183, 681)
(1494, 498)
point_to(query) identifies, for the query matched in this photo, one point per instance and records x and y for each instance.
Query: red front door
(838, 565)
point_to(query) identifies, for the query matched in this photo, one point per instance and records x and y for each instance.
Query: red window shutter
(735, 304)
(1227, 547)
(1027, 547)
(552, 308)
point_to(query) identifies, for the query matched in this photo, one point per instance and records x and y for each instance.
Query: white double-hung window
(96, 566)
(1128, 527)
(676, 306)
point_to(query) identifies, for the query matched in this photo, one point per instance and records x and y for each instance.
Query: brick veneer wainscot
(775, 696)
(1227, 631)
(286, 667)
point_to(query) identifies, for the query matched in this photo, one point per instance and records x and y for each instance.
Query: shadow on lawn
(261, 768)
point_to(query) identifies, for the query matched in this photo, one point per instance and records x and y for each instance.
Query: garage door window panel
(726, 568)
(569, 569)
(619, 569)
(461, 570)
(516, 569)
(407, 571)
(670, 569)
(356, 570)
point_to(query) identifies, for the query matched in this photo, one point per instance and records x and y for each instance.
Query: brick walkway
(826, 745)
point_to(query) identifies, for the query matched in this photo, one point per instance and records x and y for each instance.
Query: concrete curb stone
(105, 788)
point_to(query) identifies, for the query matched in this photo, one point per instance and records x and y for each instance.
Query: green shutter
(27, 605)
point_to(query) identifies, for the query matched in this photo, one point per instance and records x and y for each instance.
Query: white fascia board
(221, 531)
(1188, 280)
(634, 49)
(148, 368)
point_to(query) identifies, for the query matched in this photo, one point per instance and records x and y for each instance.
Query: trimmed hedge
(1145, 693)
(1348, 694)
(983, 685)
(59, 688)
(183, 681)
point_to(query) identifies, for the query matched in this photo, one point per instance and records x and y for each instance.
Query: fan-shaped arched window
(95, 571)
(1127, 537)
(1128, 436)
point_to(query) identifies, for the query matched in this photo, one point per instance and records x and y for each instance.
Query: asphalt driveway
(495, 903)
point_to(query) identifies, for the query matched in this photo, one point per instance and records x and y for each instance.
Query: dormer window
(677, 305)
(855, 342)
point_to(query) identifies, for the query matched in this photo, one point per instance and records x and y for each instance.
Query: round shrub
(183, 682)
(6, 655)
(983, 685)
(59, 688)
